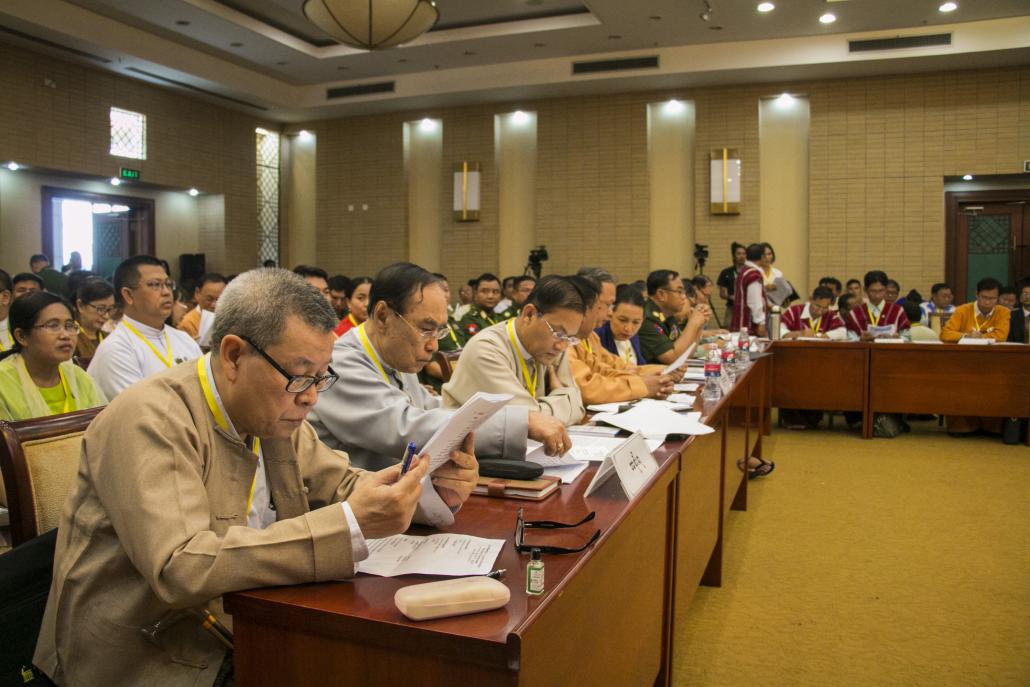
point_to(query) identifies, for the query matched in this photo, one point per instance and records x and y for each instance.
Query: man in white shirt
(941, 303)
(6, 289)
(142, 344)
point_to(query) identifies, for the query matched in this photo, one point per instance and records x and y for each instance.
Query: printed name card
(631, 462)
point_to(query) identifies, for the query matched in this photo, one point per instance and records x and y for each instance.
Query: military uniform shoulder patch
(472, 329)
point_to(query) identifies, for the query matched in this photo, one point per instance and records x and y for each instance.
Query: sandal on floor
(763, 468)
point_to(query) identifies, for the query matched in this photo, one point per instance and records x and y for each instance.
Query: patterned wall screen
(268, 195)
(128, 134)
(988, 250)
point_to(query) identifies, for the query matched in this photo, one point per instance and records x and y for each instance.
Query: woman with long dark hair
(37, 377)
(94, 304)
(357, 304)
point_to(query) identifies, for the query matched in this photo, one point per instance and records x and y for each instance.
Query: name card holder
(632, 463)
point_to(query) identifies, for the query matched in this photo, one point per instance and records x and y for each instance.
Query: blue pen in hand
(409, 454)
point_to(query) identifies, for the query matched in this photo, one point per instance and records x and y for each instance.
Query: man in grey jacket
(378, 406)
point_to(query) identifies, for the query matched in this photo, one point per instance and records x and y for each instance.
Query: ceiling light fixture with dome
(372, 24)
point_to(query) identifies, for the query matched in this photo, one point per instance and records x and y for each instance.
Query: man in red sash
(750, 305)
(813, 319)
(864, 319)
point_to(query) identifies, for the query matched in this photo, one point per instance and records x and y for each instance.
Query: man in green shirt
(662, 339)
(53, 281)
(481, 315)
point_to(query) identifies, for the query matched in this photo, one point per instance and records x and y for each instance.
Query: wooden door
(988, 235)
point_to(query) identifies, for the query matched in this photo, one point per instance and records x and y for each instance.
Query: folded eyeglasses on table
(521, 525)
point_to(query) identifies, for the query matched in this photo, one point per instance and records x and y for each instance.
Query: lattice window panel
(268, 195)
(989, 234)
(128, 134)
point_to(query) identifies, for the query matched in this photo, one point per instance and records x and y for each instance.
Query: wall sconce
(725, 183)
(466, 192)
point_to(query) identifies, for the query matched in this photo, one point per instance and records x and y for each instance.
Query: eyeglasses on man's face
(296, 384)
(55, 326)
(426, 334)
(560, 336)
(102, 309)
(158, 285)
(521, 525)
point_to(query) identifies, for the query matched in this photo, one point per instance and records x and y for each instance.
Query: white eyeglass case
(446, 598)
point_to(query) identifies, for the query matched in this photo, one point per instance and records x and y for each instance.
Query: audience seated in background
(379, 405)
(1008, 297)
(25, 282)
(466, 292)
(37, 377)
(813, 319)
(844, 305)
(197, 322)
(918, 331)
(52, 280)
(6, 296)
(981, 319)
(727, 280)
(317, 277)
(507, 302)
(160, 523)
(356, 302)
(835, 287)
(664, 336)
(184, 301)
(338, 294)
(876, 318)
(854, 287)
(751, 306)
(524, 286)
(481, 315)
(892, 292)
(142, 344)
(1019, 322)
(603, 377)
(94, 303)
(526, 356)
(619, 334)
(940, 303)
(704, 290)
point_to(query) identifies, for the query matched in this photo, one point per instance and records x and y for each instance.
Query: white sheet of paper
(656, 422)
(468, 418)
(689, 388)
(890, 340)
(437, 554)
(567, 473)
(535, 454)
(681, 399)
(680, 361)
(593, 430)
(695, 375)
(966, 341)
(207, 320)
(780, 292)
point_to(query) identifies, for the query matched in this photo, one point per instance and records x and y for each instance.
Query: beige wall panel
(671, 177)
(425, 176)
(297, 238)
(516, 187)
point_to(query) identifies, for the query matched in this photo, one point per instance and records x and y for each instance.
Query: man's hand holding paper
(384, 502)
(455, 479)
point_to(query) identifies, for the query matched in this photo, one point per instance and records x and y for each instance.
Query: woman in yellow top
(37, 376)
(94, 303)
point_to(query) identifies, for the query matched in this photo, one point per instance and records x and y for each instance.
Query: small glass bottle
(535, 574)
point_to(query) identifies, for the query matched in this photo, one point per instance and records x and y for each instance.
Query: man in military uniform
(662, 338)
(481, 315)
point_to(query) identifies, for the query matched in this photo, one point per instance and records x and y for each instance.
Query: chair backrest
(39, 459)
(446, 360)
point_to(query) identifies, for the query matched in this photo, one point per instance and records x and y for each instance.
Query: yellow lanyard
(530, 381)
(450, 332)
(588, 347)
(100, 336)
(869, 310)
(976, 319)
(629, 354)
(813, 324)
(487, 317)
(68, 406)
(167, 360)
(354, 323)
(216, 412)
(371, 353)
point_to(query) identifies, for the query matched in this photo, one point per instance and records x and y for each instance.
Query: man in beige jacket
(205, 479)
(525, 356)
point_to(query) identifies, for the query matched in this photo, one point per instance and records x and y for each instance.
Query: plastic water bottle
(713, 376)
(743, 347)
(729, 362)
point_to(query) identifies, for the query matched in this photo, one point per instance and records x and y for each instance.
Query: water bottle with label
(729, 362)
(743, 347)
(713, 376)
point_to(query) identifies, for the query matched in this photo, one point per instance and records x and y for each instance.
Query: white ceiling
(265, 53)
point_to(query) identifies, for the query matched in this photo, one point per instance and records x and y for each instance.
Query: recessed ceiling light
(342, 68)
(967, 177)
(674, 107)
(304, 135)
(828, 18)
(948, 7)
(282, 63)
(469, 53)
(182, 22)
(13, 166)
(519, 117)
(540, 45)
(655, 17)
(427, 125)
(614, 36)
(115, 181)
(236, 45)
(715, 27)
(193, 192)
(402, 60)
(766, 7)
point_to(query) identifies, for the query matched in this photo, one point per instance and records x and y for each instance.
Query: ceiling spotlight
(193, 192)
(706, 15)
(766, 7)
(427, 126)
(115, 181)
(13, 166)
(784, 100)
(674, 107)
(304, 135)
(518, 117)
(828, 18)
(967, 177)
(261, 131)
(948, 7)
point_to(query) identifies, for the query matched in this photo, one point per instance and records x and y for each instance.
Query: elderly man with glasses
(379, 406)
(142, 344)
(526, 356)
(206, 479)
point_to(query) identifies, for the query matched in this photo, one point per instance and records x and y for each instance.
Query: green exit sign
(127, 173)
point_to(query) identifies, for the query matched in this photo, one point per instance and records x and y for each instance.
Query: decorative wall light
(725, 195)
(466, 192)
(372, 24)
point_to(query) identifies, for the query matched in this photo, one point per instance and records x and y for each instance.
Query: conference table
(607, 615)
(872, 377)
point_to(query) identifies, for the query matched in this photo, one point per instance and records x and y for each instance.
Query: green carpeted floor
(881, 562)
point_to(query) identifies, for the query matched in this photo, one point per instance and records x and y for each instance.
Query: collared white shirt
(526, 355)
(6, 338)
(626, 352)
(122, 358)
(502, 306)
(838, 334)
(261, 513)
(755, 302)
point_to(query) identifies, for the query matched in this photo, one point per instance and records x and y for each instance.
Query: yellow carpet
(884, 562)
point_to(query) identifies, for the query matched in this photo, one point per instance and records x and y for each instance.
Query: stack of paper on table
(667, 403)
(689, 388)
(437, 554)
(656, 422)
(585, 448)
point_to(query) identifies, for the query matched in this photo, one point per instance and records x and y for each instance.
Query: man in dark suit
(1019, 325)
